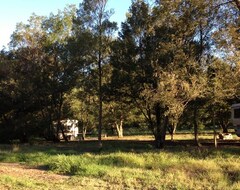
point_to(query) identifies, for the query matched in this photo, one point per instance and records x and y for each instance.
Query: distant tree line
(173, 64)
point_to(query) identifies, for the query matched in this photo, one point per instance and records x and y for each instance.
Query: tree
(221, 90)
(83, 106)
(117, 113)
(157, 44)
(177, 87)
(132, 63)
(93, 21)
(40, 50)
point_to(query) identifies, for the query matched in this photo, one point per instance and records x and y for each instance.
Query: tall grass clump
(83, 165)
(130, 160)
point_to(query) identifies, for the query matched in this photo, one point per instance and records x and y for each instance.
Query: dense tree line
(172, 65)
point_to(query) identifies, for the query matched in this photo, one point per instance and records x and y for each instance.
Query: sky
(15, 11)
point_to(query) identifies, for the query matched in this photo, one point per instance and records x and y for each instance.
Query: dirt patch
(45, 180)
(19, 170)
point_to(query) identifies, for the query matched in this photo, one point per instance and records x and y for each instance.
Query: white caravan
(70, 129)
(235, 117)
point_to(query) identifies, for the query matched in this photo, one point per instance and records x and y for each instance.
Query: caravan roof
(235, 106)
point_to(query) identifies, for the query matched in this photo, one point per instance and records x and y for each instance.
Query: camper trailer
(70, 129)
(235, 117)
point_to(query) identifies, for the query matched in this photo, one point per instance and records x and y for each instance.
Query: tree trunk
(172, 129)
(224, 127)
(172, 134)
(119, 129)
(62, 131)
(60, 126)
(24, 137)
(100, 99)
(195, 124)
(84, 131)
(214, 130)
(172, 137)
(164, 129)
(160, 129)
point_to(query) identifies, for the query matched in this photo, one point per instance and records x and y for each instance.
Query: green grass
(163, 170)
(130, 165)
(20, 183)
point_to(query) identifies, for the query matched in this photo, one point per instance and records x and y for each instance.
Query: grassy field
(130, 163)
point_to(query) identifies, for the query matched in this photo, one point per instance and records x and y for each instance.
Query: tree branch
(237, 2)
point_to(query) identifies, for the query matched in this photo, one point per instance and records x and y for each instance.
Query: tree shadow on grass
(112, 146)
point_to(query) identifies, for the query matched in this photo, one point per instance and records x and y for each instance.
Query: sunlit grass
(134, 166)
(10, 182)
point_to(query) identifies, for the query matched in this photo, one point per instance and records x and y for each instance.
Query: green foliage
(40, 71)
(172, 63)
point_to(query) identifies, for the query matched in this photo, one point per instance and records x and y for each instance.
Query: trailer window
(237, 113)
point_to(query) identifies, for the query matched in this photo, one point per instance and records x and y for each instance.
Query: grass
(20, 183)
(128, 165)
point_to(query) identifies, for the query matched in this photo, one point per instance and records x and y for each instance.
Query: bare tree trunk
(172, 135)
(119, 129)
(172, 129)
(214, 130)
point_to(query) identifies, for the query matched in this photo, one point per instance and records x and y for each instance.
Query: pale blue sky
(14, 11)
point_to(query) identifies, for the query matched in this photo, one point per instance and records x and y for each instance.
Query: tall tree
(93, 21)
(134, 60)
(40, 48)
(170, 37)
(222, 85)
